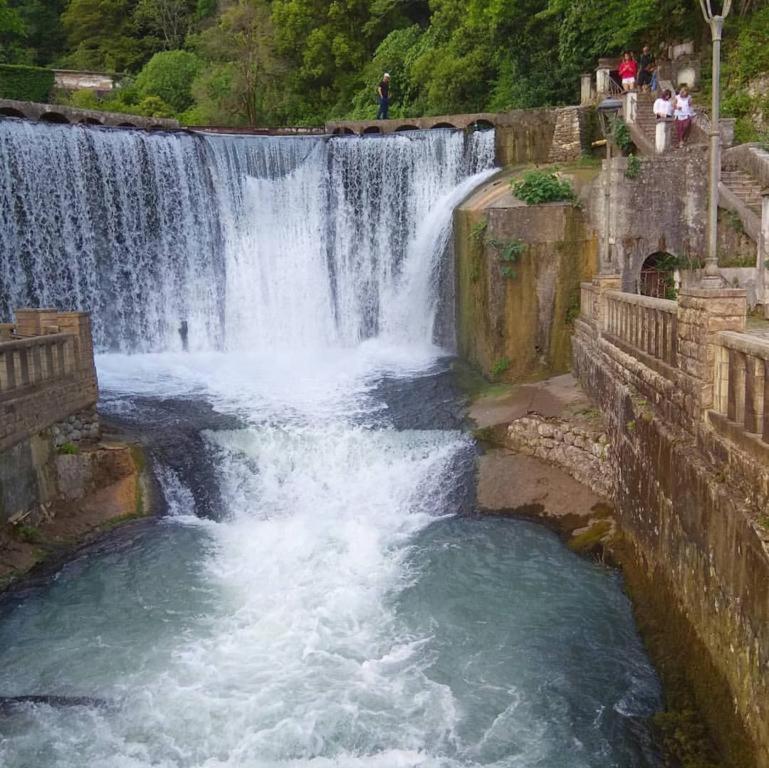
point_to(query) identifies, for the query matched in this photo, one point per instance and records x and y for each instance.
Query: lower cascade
(339, 605)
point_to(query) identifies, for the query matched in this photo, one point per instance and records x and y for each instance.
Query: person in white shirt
(683, 114)
(663, 106)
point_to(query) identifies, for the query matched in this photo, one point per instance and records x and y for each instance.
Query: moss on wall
(519, 313)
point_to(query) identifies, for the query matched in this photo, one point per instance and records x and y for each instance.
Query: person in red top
(628, 69)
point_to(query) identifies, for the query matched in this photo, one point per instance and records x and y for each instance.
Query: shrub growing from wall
(25, 83)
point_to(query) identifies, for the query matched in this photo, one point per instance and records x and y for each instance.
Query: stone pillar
(663, 136)
(586, 89)
(727, 127)
(602, 284)
(702, 314)
(33, 322)
(630, 107)
(79, 325)
(603, 79)
(762, 294)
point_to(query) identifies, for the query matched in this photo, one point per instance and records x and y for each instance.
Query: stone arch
(53, 117)
(406, 127)
(656, 276)
(156, 127)
(126, 125)
(343, 130)
(481, 125)
(445, 125)
(10, 112)
(90, 121)
(371, 129)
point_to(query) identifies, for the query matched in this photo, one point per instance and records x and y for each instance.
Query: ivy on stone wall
(25, 83)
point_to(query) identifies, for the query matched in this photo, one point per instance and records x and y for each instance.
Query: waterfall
(252, 241)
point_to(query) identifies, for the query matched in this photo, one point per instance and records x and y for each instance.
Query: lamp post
(608, 110)
(712, 277)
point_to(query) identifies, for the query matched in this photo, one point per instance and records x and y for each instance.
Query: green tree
(13, 34)
(169, 20)
(44, 39)
(241, 44)
(169, 75)
(101, 35)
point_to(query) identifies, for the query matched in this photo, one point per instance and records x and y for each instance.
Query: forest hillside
(278, 62)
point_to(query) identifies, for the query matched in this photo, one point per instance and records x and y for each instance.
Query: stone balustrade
(682, 388)
(667, 349)
(32, 362)
(587, 301)
(644, 323)
(741, 390)
(47, 372)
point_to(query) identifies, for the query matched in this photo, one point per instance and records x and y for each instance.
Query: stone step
(744, 186)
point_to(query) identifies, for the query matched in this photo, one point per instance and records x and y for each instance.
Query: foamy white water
(227, 234)
(337, 613)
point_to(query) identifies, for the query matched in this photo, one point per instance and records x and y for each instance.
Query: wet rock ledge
(547, 458)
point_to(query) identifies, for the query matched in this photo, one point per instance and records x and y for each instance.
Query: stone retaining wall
(579, 449)
(691, 504)
(571, 137)
(80, 426)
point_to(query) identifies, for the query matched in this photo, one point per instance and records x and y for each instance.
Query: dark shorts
(644, 77)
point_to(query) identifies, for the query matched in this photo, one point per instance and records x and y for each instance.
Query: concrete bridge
(543, 135)
(476, 121)
(57, 113)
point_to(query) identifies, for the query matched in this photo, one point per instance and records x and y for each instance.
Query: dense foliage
(302, 61)
(25, 83)
(538, 187)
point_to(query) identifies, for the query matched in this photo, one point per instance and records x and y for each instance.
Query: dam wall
(684, 392)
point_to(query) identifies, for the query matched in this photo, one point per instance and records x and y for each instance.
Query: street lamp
(712, 278)
(608, 110)
(608, 113)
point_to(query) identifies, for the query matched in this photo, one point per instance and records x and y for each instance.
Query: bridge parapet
(58, 113)
(522, 136)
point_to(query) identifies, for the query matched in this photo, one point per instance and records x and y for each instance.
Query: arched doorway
(657, 276)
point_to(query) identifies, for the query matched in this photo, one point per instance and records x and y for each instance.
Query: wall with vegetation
(518, 273)
(25, 83)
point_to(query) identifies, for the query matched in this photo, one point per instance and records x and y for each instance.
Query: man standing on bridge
(384, 97)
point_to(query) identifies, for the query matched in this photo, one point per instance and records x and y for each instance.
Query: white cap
(387, 74)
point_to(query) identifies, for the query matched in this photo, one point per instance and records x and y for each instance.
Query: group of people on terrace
(642, 74)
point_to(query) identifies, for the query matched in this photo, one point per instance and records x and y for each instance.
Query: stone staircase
(744, 187)
(645, 119)
(740, 193)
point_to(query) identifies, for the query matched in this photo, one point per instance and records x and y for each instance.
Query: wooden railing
(644, 323)
(742, 382)
(34, 361)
